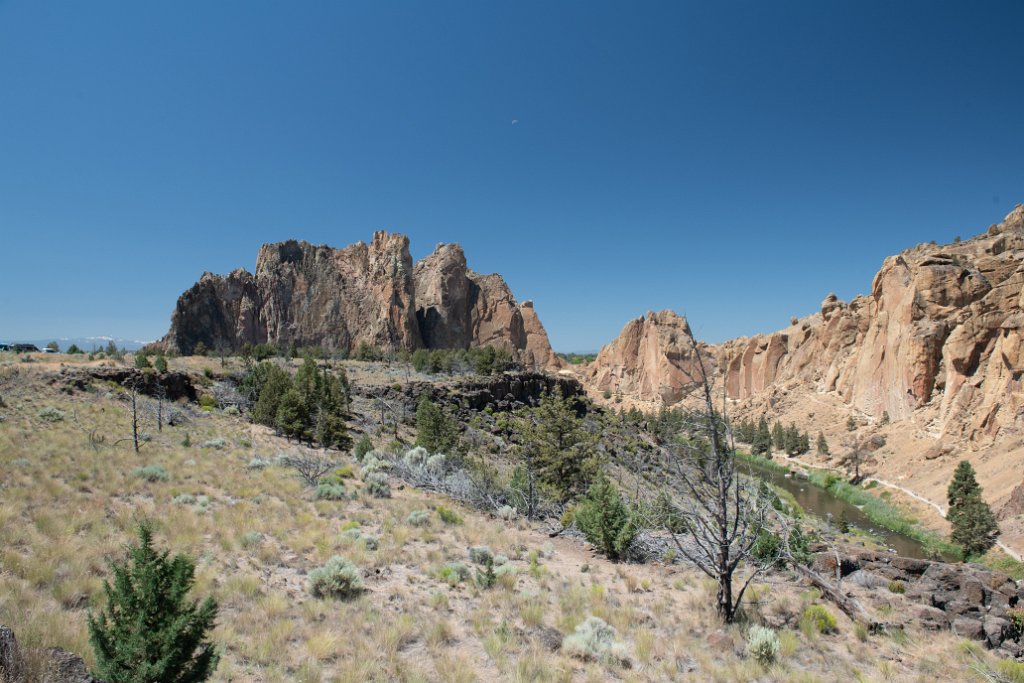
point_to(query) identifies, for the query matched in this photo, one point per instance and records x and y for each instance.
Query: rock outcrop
(459, 308)
(372, 294)
(652, 358)
(967, 598)
(56, 664)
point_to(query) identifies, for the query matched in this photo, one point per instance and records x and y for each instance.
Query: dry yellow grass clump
(67, 508)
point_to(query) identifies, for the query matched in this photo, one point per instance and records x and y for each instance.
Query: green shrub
(449, 516)
(207, 402)
(418, 518)
(763, 644)
(605, 520)
(337, 579)
(330, 491)
(817, 619)
(258, 464)
(897, 586)
(251, 539)
(481, 554)
(362, 447)
(377, 485)
(50, 414)
(151, 473)
(454, 573)
(217, 443)
(149, 631)
(767, 547)
(594, 640)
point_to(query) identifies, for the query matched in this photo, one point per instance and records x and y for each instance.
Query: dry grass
(69, 509)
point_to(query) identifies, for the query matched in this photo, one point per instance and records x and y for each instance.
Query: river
(820, 503)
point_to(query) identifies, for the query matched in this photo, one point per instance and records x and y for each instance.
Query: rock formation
(362, 294)
(943, 327)
(652, 358)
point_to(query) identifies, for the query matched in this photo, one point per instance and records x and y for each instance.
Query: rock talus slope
(341, 298)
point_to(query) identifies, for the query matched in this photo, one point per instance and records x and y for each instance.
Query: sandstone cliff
(459, 308)
(341, 298)
(942, 327)
(652, 358)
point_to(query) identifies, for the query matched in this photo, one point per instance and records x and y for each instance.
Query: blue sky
(735, 161)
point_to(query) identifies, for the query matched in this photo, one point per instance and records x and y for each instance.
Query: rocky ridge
(361, 294)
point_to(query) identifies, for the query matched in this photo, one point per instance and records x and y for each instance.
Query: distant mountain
(84, 343)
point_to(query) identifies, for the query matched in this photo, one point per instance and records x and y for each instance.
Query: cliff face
(652, 358)
(341, 298)
(943, 327)
(459, 308)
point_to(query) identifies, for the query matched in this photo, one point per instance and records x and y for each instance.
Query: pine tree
(779, 437)
(292, 416)
(556, 447)
(605, 519)
(804, 445)
(791, 440)
(974, 526)
(270, 383)
(963, 486)
(435, 430)
(822, 444)
(762, 444)
(150, 632)
(851, 424)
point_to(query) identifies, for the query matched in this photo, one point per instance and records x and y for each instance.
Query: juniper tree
(974, 526)
(605, 518)
(822, 444)
(556, 448)
(762, 444)
(149, 631)
(435, 430)
(779, 436)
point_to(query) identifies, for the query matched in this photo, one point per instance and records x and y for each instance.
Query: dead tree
(311, 466)
(723, 511)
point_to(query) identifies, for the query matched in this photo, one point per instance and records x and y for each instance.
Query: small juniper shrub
(362, 447)
(486, 578)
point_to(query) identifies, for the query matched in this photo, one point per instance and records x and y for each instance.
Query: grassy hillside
(69, 505)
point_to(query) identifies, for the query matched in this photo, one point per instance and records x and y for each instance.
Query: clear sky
(735, 161)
